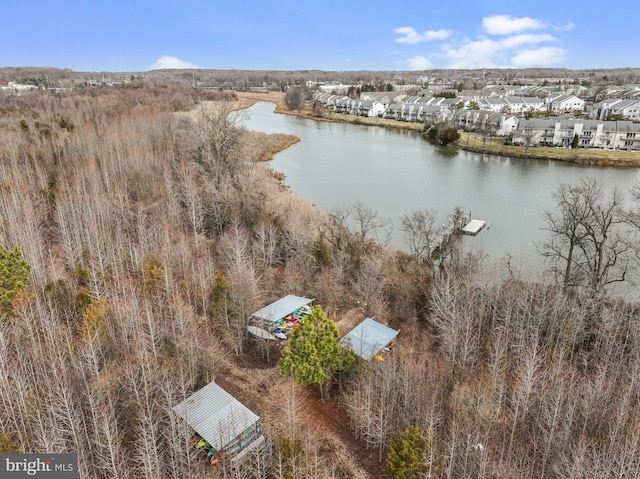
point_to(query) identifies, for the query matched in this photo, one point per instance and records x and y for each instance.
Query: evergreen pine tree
(313, 354)
(406, 458)
(152, 272)
(6, 444)
(94, 319)
(14, 274)
(574, 142)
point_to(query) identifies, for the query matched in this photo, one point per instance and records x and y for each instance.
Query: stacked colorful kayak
(284, 326)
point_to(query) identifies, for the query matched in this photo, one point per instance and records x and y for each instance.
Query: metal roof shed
(368, 338)
(216, 415)
(281, 308)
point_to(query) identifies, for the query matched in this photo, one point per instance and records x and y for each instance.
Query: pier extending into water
(459, 223)
(473, 227)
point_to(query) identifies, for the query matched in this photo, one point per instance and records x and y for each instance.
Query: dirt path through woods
(259, 386)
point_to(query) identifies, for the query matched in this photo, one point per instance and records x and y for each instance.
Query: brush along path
(293, 411)
(290, 410)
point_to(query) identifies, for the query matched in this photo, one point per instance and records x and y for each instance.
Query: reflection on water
(395, 172)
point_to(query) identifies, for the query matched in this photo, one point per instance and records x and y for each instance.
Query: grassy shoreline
(268, 144)
(586, 157)
(468, 141)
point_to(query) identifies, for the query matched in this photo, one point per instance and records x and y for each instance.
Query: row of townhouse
(421, 112)
(553, 131)
(629, 109)
(623, 92)
(512, 104)
(590, 133)
(397, 107)
(386, 97)
(518, 91)
(519, 100)
(493, 123)
(421, 109)
(559, 104)
(564, 103)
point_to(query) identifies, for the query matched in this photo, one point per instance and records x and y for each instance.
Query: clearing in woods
(285, 407)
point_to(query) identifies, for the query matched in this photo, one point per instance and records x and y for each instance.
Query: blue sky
(139, 35)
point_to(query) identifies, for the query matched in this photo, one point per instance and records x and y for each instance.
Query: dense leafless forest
(152, 231)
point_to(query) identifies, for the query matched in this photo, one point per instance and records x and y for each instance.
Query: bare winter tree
(295, 97)
(189, 192)
(369, 226)
(244, 280)
(369, 285)
(336, 229)
(219, 132)
(589, 245)
(633, 214)
(458, 326)
(419, 231)
(527, 136)
(355, 227)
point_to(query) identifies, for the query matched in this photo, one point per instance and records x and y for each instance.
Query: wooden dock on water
(460, 222)
(473, 227)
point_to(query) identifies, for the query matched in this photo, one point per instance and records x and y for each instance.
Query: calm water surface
(396, 172)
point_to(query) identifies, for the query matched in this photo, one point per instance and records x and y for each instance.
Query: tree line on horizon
(278, 80)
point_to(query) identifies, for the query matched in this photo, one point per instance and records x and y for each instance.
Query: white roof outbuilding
(281, 308)
(368, 338)
(216, 415)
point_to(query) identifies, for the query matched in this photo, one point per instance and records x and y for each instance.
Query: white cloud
(506, 25)
(168, 62)
(538, 57)
(506, 42)
(419, 63)
(474, 54)
(525, 39)
(565, 28)
(487, 52)
(410, 35)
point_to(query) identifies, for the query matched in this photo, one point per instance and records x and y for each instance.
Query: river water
(395, 172)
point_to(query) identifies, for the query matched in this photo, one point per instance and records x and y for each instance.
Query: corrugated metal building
(368, 338)
(281, 308)
(218, 417)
